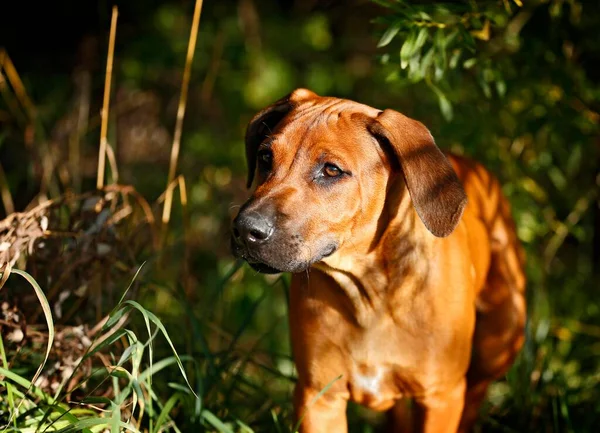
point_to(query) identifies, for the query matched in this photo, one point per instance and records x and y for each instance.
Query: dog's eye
(332, 170)
(265, 159)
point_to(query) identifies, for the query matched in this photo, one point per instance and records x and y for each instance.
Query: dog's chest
(380, 369)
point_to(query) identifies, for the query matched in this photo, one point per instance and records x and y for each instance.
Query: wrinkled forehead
(323, 124)
(327, 108)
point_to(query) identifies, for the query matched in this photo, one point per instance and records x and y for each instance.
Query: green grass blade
(314, 399)
(21, 381)
(9, 386)
(94, 422)
(47, 313)
(276, 421)
(159, 324)
(130, 284)
(163, 363)
(115, 419)
(164, 413)
(213, 420)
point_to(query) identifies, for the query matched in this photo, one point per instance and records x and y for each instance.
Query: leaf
(421, 39)
(454, 59)
(94, 422)
(574, 161)
(469, 63)
(484, 33)
(444, 103)
(407, 49)
(164, 413)
(427, 61)
(485, 86)
(163, 363)
(216, 422)
(115, 418)
(501, 88)
(149, 315)
(95, 400)
(120, 372)
(557, 177)
(413, 68)
(47, 313)
(108, 342)
(450, 38)
(388, 35)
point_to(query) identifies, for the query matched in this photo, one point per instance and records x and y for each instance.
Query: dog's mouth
(272, 261)
(263, 268)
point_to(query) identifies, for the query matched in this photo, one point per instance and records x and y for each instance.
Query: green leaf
(112, 338)
(450, 38)
(444, 103)
(120, 372)
(47, 314)
(501, 88)
(421, 39)
(558, 178)
(407, 49)
(163, 363)
(469, 63)
(427, 61)
(454, 59)
(164, 413)
(94, 422)
(216, 422)
(115, 420)
(95, 400)
(388, 35)
(149, 315)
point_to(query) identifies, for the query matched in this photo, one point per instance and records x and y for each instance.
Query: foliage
(440, 38)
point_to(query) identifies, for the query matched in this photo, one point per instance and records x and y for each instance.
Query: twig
(7, 200)
(83, 113)
(17, 84)
(181, 110)
(10, 100)
(581, 206)
(112, 160)
(186, 235)
(213, 70)
(107, 78)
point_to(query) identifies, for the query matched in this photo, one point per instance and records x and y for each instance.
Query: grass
(151, 388)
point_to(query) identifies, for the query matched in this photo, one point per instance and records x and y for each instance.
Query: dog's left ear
(265, 122)
(436, 192)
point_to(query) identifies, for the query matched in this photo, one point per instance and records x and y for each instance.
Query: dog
(408, 283)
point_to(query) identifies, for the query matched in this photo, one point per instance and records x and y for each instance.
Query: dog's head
(322, 166)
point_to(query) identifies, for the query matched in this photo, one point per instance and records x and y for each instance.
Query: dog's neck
(400, 239)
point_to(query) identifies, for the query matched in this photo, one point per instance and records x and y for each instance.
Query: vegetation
(117, 314)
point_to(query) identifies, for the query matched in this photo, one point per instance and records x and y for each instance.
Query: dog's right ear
(264, 123)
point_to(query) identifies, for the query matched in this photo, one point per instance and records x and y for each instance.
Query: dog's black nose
(252, 228)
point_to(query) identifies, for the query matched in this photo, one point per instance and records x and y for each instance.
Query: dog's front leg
(324, 413)
(440, 412)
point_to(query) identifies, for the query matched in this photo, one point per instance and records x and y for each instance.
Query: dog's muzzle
(260, 237)
(250, 231)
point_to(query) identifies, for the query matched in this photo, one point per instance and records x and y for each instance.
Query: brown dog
(400, 289)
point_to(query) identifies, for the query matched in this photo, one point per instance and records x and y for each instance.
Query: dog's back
(501, 300)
